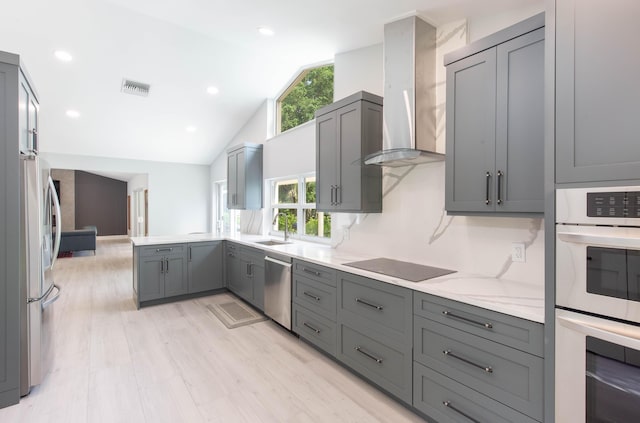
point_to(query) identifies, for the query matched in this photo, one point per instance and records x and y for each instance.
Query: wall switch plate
(518, 252)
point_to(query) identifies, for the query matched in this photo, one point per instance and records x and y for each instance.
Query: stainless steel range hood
(409, 113)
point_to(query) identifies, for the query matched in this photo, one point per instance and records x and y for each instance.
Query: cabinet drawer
(315, 272)
(447, 401)
(162, 250)
(252, 255)
(505, 374)
(518, 333)
(383, 362)
(316, 329)
(375, 305)
(316, 296)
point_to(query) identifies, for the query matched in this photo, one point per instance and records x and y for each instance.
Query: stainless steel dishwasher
(277, 288)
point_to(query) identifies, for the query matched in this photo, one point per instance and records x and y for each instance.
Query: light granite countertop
(515, 298)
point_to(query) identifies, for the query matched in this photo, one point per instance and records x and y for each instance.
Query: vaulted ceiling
(181, 47)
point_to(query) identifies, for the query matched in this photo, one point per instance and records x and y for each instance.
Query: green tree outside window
(313, 91)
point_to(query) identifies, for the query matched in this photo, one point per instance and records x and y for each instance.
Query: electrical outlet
(518, 252)
(346, 233)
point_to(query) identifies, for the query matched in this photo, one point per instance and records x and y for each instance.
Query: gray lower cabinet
(374, 325)
(245, 273)
(10, 122)
(205, 266)
(495, 124)
(346, 132)
(173, 270)
(495, 358)
(161, 271)
(314, 300)
(596, 91)
(244, 177)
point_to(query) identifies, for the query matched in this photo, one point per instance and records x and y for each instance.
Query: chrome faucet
(286, 224)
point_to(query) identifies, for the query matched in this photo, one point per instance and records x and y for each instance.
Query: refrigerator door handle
(43, 296)
(54, 298)
(56, 202)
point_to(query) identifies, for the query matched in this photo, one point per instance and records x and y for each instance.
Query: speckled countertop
(506, 296)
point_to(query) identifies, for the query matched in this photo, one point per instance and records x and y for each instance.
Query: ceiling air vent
(135, 88)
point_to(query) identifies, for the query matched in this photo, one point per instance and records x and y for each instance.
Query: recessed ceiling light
(73, 114)
(264, 30)
(191, 129)
(63, 56)
(213, 90)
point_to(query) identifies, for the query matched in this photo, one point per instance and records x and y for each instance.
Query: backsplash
(415, 227)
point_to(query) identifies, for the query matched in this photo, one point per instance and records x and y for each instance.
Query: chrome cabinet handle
(334, 196)
(158, 250)
(162, 266)
(448, 353)
(231, 255)
(189, 253)
(465, 319)
(377, 307)
(167, 260)
(487, 201)
(249, 269)
(311, 296)
(463, 414)
(366, 354)
(338, 194)
(313, 272)
(500, 175)
(311, 327)
(34, 138)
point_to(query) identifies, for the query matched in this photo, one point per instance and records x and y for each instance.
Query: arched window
(311, 90)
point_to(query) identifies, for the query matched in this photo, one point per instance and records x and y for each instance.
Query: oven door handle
(607, 330)
(600, 240)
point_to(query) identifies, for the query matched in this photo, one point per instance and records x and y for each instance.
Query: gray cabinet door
(244, 286)
(175, 276)
(233, 274)
(151, 283)
(257, 282)
(470, 158)
(519, 180)
(232, 180)
(348, 192)
(240, 199)
(597, 93)
(205, 266)
(326, 161)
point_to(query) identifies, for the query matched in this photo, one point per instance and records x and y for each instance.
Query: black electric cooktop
(400, 269)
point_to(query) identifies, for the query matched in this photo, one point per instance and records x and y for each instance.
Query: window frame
(299, 76)
(300, 207)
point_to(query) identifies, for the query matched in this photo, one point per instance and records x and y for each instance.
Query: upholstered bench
(79, 240)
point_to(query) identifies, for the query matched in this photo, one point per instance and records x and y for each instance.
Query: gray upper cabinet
(495, 123)
(244, 177)
(205, 266)
(346, 132)
(597, 106)
(10, 229)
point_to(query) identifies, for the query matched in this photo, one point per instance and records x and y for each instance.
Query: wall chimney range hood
(409, 133)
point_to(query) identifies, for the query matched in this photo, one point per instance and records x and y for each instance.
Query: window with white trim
(293, 200)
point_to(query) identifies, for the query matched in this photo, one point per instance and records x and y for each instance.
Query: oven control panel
(613, 204)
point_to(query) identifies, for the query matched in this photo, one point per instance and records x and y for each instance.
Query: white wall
(358, 70)
(179, 194)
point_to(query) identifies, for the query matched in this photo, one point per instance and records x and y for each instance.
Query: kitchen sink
(271, 242)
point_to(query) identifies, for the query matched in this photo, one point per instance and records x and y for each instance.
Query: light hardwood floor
(178, 363)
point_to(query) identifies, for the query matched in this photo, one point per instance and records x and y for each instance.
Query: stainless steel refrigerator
(39, 244)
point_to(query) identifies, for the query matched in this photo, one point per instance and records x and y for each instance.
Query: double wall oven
(598, 304)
